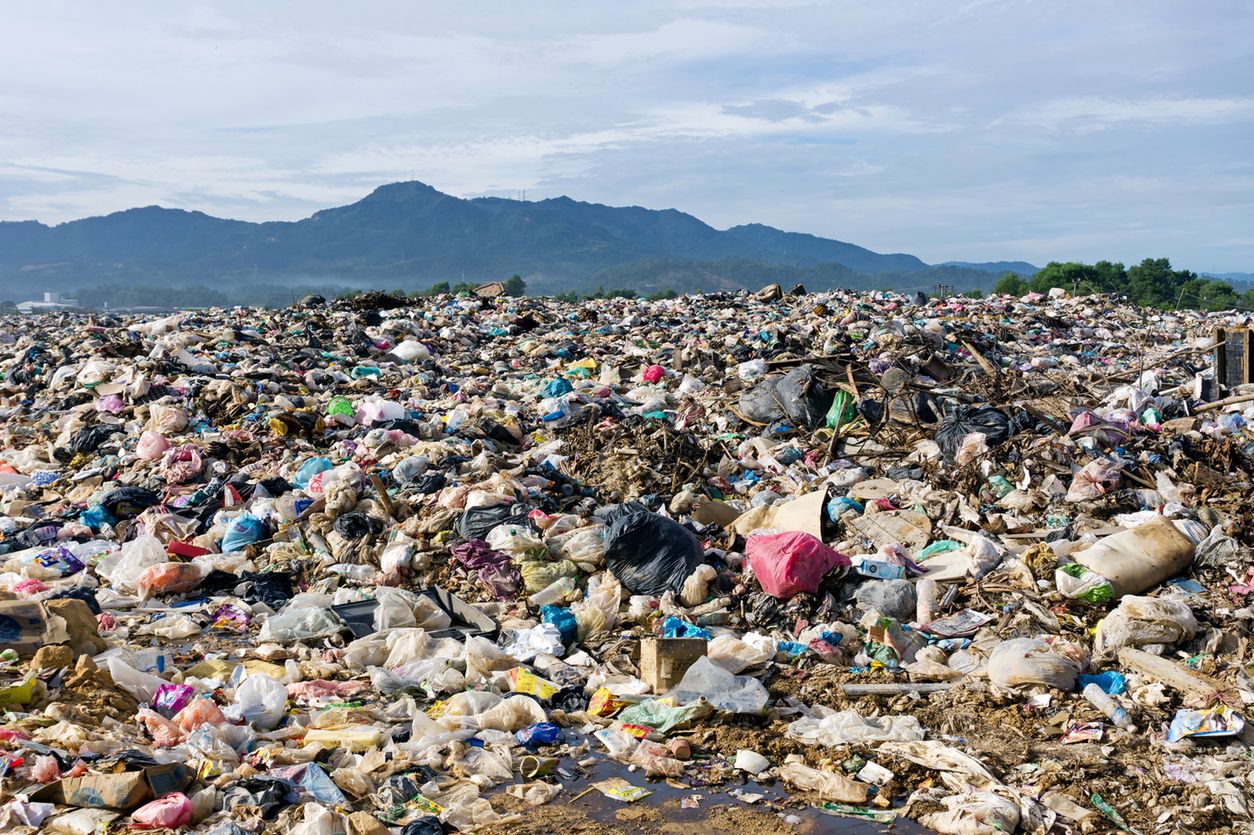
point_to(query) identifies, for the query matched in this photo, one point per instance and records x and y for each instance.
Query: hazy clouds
(988, 130)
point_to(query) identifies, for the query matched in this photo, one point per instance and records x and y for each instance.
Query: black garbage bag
(425, 825)
(129, 502)
(267, 793)
(477, 521)
(355, 525)
(428, 483)
(91, 438)
(650, 554)
(964, 420)
(797, 396)
(82, 593)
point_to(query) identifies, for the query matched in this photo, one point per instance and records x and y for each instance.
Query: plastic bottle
(927, 600)
(1103, 702)
(553, 592)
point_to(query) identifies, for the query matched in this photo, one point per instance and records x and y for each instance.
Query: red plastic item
(787, 564)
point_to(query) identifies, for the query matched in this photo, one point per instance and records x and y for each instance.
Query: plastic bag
(1094, 480)
(124, 568)
(262, 701)
(827, 727)
(1079, 583)
(168, 578)
(724, 691)
(1026, 661)
(735, 655)
(319, 820)
(1144, 621)
(300, 623)
(797, 396)
(538, 575)
(151, 445)
(650, 554)
(243, 530)
(199, 712)
(830, 785)
(787, 564)
(168, 812)
(516, 540)
(963, 421)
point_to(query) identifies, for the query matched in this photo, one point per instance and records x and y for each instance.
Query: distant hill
(998, 268)
(409, 235)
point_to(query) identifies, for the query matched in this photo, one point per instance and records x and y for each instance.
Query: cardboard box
(122, 790)
(663, 661)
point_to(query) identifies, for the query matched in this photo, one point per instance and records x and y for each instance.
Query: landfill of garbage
(463, 564)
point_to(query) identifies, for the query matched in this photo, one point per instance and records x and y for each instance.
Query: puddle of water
(713, 800)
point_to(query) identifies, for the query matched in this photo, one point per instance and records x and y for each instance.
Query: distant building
(52, 303)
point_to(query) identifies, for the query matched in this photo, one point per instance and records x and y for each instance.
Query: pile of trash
(463, 564)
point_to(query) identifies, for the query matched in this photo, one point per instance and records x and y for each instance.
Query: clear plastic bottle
(1101, 700)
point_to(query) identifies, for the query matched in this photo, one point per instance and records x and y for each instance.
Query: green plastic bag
(842, 411)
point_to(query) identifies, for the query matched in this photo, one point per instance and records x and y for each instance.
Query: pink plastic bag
(653, 373)
(164, 733)
(152, 445)
(168, 812)
(787, 564)
(199, 712)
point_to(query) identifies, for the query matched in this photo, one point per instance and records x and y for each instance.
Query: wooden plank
(1175, 676)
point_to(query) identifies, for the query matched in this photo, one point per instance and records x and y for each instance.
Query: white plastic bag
(262, 701)
(828, 727)
(724, 691)
(1144, 621)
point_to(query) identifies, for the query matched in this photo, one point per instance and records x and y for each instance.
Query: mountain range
(409, 235)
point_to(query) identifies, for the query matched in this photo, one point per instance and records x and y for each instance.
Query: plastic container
(1138, 559)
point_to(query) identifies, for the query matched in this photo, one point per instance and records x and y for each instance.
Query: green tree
(660, 295)
(974, 294)
(438, 289)
(1011, 284)
(515, 286)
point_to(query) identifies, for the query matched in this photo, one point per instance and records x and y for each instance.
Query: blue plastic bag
(673, 627)
(96, 517)
(564, 620)
(541, 733)
(310, 468)
(244, 530)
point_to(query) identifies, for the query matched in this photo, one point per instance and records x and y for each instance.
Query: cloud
(1090, 113)
(991, 129)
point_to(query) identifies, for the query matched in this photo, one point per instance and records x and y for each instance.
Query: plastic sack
(846, 727)
(787, 564)
(151, 446)
(476, 522)
(140, 685)
(512, 714)
(583, 546)
(1023, 662)
(168, 578)
(650, 554)
(975, 813)
(262, 701)
(410, 350)
(168, 812)
(1076, 582)
(984, 555)
(724, 691)
(1144, 621)
(1136, 560)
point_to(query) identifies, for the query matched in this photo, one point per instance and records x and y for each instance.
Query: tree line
(1152, 283)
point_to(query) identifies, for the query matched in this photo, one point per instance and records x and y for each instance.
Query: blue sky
(984, 130)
